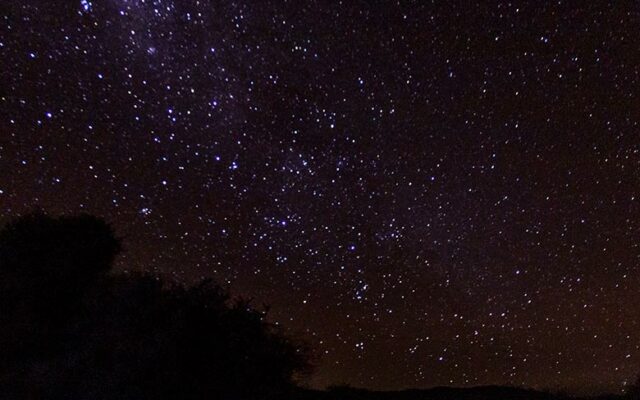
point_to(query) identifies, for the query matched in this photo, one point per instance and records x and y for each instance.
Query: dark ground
(447, 393)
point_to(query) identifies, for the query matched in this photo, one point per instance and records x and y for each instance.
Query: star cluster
(431, 193)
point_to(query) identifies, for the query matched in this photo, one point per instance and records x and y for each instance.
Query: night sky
(430, 193)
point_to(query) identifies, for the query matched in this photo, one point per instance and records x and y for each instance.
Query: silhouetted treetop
(70, 330)
(58, 249)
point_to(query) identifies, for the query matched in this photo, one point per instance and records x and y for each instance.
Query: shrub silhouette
(70, 329)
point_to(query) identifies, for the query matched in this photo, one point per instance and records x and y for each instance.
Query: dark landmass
(447, 393)
(73, 329)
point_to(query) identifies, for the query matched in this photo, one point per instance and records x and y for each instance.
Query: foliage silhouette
(72, 330)
(633, 392)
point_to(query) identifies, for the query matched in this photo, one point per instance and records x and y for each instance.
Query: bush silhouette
(70, 329)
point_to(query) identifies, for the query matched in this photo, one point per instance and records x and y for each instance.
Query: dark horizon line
(595, 391)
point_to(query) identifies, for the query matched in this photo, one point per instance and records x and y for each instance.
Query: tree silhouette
(70, 329)
(633, 392)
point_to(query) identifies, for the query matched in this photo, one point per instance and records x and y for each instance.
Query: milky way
(430, 194)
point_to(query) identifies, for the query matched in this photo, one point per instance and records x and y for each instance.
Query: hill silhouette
(447, 393)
